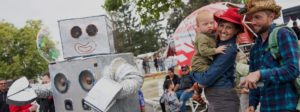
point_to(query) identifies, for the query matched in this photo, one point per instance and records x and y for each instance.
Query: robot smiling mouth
(87, 48)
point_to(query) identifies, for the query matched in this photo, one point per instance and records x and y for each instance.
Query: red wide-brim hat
(230, 15)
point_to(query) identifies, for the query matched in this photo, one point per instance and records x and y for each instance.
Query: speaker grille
(86, 80)
(61, 83)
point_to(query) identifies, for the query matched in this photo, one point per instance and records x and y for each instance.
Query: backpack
(274, 49)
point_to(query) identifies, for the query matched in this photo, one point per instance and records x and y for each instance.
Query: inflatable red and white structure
(185, 34)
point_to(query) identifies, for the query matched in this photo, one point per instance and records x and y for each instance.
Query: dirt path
(150, 86)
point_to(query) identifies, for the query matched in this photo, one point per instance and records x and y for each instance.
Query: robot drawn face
(86, 36)
(85, 43)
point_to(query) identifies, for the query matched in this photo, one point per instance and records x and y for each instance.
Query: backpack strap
(273, 43)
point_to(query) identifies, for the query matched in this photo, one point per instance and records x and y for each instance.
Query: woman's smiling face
(226, 30)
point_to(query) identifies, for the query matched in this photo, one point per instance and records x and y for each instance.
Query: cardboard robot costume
(89, 57)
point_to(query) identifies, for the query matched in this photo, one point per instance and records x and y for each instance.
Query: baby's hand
(221, 49)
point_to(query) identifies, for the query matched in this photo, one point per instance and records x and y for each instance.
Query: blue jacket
(220, 73)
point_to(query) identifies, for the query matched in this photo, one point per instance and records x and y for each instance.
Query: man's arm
(177, 82)
(289, 70)
(191, 88)
(254, 97)
(176, 87)
(220, 65)
(253, 93)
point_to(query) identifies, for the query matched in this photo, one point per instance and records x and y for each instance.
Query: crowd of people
(157, 61)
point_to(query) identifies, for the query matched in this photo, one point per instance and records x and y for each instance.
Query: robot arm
(126, 75)
(131, 81)
(21, 92)
(42, 90)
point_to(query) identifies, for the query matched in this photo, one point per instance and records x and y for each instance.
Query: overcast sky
(50, 11)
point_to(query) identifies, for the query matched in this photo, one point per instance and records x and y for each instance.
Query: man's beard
(263, 29)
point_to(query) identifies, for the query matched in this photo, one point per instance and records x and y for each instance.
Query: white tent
(146, 55)
(290, 23)
(298, 21)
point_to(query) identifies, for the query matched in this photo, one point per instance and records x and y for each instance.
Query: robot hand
(42, 90)
(21, 92)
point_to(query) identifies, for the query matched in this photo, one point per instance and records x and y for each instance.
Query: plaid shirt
(278, 93)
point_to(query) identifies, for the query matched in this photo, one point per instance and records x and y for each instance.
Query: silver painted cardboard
(71, 69)
(85, 45)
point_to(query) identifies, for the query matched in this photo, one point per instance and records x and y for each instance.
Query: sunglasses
(183, 70)
(2, 83)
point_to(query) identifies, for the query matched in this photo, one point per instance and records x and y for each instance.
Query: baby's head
(205, 21)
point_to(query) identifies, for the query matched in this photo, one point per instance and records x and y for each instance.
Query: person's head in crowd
(295, 24)
(46, 78)
(229, 23)
(185, 70)
(171, 72)
(169, 85)
(205, 22)
(3, 85)
(31, 81)
(261, 14)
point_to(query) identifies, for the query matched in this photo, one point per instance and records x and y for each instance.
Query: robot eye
(91, 30)
(76, 32)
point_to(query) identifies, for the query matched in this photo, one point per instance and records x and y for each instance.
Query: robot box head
(86, 36)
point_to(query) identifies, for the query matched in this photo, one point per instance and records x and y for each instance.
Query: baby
(205, 44)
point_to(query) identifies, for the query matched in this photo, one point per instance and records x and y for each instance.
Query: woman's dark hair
(167, 84)
(171, 69)
(236, 26)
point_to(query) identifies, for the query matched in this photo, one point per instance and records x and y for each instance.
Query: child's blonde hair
(203, 14)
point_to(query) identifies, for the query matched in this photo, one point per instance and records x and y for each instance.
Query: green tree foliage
(149, 10)
(113, 5)
(19, 55)
(130, 36)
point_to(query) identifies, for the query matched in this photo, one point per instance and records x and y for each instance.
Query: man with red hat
(271, 80)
